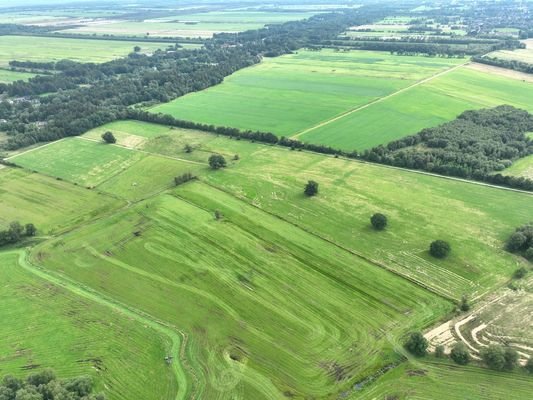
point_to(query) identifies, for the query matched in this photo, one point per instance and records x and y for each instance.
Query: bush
(439, 249)
(108, 137)
(498, 358)
(311, 188)
(529, 365)
(464, 306)
(520, 273)
(439, 351)
(378, 221)
(216, 161)
(529, 254)
(417, 344)
(460, 354)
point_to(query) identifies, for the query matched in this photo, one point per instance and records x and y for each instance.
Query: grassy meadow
(522, 167)
(288, 94)
(28, 48)
(51, 327)
(50, 204)
(429, 104)
(7, 76)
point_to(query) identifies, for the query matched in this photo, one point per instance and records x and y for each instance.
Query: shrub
(460, 354)
(417, 344)
(108, 137)
(529, 254)
(378, 221)
(520, 273)
(529, 365)
(439, 249)
(498, 358)
(464, 306)
(439, 351)
(311, 188)
(216, 161)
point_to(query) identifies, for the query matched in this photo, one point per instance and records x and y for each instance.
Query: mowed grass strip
(50, 204)
(446, 381)
(270, 309)
(427, 105)
(29, 48)
(83, 162)
(287, 94)
(45, 326)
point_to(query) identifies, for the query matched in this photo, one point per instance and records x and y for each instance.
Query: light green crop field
(50, 204)
(429, 104)
(7, 76)
(28, 48)
(46, 326)
(287, 94)
(269, 308)
(430, 380)
(192, 25)
(522, 167)
(87, 163)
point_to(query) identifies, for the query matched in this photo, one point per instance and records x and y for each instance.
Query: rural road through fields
(177, 350)
(359, 108)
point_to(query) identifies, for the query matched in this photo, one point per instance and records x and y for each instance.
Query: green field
(429, 104)
(50, 204)
(441, 380)
(522, 167)
(287, 94)
(28, 48)
(191, 25)
(47, 326)
(283, 295)
(7, 76)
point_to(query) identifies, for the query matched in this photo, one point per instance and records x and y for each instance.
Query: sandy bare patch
(132, 141)
(509, 73)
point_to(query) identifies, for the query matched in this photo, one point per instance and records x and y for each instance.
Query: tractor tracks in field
(378, 100)
(178, 338)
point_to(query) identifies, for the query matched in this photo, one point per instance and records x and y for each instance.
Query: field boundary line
(144, 151)
(177, 337)
(352, 252)
(36, 148)
(380, 99)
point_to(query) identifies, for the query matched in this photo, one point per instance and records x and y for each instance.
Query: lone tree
(460, 354)
(109, 137)
(216, 161)
(417, 344)
(439, 249)
(311, 188)
(379, 221)
(465, 305)
(187, 148)
(136, 49)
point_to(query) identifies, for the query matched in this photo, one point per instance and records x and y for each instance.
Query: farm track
(359, 108)
(178, 338)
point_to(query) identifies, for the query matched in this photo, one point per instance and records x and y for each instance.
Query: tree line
(474, 146)
(16, 232)
(516, 65)
(45, 385)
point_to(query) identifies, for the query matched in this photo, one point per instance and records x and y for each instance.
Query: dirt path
(359, 108)
(177, 337)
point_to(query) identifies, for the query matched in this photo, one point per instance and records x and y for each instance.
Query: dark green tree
(136, 49)
(108, 137)
(439, 249)
(511, 358)
(460, 354)
(311, 188)
(30, 230)
(464, 305)
(187, 148)
(216, 161)
(516, 241)
(378, 221)
(520, 273)
(493, 356)
(529, 254)
(417, 344)
(529, 365)
(439, 351)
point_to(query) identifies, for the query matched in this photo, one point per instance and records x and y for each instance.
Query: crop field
(77, 337)
(429, 104)
(171, 258)
(288, 94)
(111, 169)
(524, 55)
(28, 48)
(446, 381)
(50, 204)
(190, 25)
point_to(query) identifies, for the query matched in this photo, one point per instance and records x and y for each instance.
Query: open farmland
(28, 48)
(50, 204)
(78, 336)
(254, 272)
(189, 25)
(445, 381)
(288, 94)
(426, 105)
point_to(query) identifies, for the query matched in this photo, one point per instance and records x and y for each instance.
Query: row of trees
(46, 386)
(474, 146)
(516, 65)
(16, 232)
